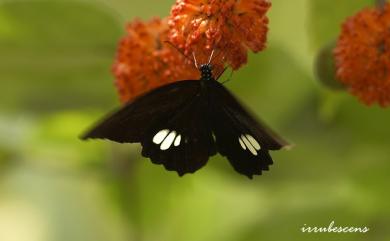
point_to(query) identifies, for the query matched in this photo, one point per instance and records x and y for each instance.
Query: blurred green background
(55, 80)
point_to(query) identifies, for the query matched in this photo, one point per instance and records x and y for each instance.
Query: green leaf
(57, 60)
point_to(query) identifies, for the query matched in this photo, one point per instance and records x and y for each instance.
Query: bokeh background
(55, 80)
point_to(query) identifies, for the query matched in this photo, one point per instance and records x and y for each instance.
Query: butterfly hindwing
(183, 142)
(244, 154)
(239, 136)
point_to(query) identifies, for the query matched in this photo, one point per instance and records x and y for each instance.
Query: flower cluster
(145, 61)
(157, 52)
(362, 55)
(230, 26)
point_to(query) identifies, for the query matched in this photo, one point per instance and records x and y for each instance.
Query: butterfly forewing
(130, 123)
(222, 98)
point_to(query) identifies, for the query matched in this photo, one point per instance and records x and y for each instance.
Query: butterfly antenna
(178, 50)
(195, 61)
(211, 56)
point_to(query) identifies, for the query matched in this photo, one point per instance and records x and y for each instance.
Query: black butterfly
(180, 125)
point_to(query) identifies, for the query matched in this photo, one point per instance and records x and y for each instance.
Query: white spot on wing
(248, 144)
(160, 136)
(242, 143)
(168, 141)
(177, 140)
(253, 141)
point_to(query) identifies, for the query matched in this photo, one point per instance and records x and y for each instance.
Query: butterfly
(180, 125)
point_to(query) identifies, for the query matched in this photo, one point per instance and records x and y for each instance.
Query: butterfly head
(206, 71)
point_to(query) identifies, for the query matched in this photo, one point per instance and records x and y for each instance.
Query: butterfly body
(180, 125)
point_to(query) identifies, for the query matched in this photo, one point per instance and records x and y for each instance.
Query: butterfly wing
(244, 140)
(184, 141)
(170, 124)
(130, 123)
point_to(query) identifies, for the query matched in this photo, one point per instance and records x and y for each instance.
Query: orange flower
(362, 55)
(144, 61)
(229, 26)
